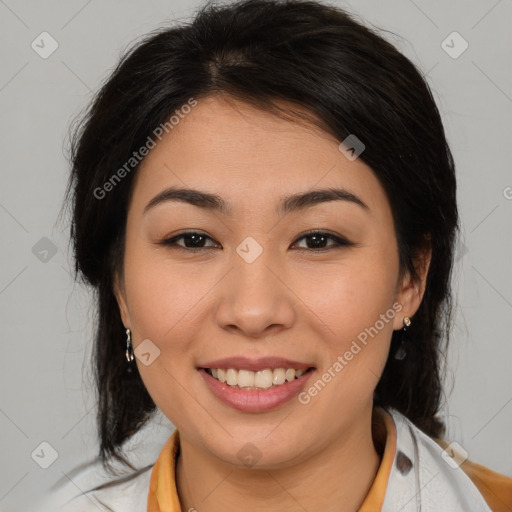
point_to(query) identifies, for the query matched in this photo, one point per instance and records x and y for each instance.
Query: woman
(265, 203)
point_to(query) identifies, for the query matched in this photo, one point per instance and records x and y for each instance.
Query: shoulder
(464, 477)
(88, 490)
(494, 487)
(88, 487)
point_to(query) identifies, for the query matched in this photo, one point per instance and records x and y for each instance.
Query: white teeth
(245, 379)
(290, 374)
(231, 377)
(262, 379)
(279, 376)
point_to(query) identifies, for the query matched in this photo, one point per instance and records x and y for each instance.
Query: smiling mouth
(259, 380)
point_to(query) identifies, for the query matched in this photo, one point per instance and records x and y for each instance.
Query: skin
(290, 302)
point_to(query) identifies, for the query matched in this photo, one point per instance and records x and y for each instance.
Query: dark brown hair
(264, 52)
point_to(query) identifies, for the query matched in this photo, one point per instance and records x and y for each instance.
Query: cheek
(358, 311)
(161, 295)
(352, 295)
(163, 300)
(161, 304)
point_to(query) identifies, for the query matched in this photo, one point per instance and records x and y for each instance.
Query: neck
(342, 473)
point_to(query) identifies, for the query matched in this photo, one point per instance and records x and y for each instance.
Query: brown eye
(319, 239)
(193, 241)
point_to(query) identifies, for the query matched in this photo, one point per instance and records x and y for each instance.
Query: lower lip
(254, 400)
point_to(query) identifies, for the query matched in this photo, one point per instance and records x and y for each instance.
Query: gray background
(46, 319)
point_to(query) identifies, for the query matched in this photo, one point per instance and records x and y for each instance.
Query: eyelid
(171, 241)
(339, 240)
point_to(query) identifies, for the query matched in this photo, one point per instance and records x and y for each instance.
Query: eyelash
(339, 241)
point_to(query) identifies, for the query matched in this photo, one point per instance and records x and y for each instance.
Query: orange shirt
(494, 487)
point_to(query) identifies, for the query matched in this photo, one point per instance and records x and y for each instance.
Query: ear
(410, 291)
(120, 295)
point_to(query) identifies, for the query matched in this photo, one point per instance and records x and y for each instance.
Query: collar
(426, 478)
(414, 474)
(163, 494)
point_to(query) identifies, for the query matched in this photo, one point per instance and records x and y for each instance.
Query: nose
(254, 299)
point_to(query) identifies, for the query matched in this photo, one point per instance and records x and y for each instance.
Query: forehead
(248, 155)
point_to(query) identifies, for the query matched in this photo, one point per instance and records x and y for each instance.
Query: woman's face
(258, 289)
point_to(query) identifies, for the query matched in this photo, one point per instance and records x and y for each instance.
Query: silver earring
(401, 352)
(129, 349)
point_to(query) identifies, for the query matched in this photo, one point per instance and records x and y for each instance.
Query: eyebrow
(289, 203)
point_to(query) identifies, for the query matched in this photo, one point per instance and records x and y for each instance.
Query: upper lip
(263, 363)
